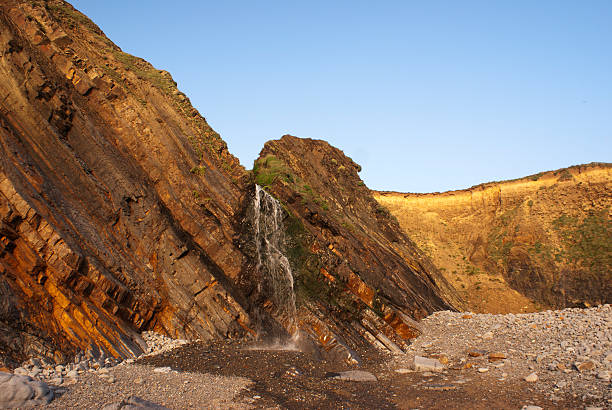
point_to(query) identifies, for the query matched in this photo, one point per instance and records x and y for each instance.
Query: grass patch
(199, 170)
(587, 243)
(268, 169)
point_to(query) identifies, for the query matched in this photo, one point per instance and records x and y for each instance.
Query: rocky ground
(553, 359)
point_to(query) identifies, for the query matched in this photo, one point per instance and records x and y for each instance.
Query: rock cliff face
(121, 210)
(357, 275)
(117, 199)
(539, 241)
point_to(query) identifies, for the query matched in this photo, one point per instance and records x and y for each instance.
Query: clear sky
(424, 95)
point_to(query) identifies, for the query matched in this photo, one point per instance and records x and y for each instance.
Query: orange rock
(442, 358)
(496, 356)
(466, 316)
(585, 366)
(475, 353)
(468, 365)
(533, 326)
(4, 369)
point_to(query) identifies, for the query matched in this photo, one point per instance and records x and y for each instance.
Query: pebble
(162, 369)
(483, 369)
(569, 351)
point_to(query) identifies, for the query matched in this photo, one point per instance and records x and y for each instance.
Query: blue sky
(425, 95)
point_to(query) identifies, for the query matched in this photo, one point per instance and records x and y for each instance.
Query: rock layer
(542, 240)
(121, 211)
(116, 198)
(358, 278)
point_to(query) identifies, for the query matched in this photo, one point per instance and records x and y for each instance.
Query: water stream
(276, 278)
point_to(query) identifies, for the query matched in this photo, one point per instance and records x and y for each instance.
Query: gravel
(558, 352)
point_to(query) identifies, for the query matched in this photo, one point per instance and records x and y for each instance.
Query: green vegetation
(587, 243)
(310, 283)
(71, 17)
(268, 169)
(145, 71)
(535, 177)
(498, 246)
(199, 170)
(565, 175)
(472, 270)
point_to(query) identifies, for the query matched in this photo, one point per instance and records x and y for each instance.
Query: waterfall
(276, 278)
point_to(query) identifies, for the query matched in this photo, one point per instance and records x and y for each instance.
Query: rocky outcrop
(117, 199)
(121, 210)
(539, 241)
(358, 278)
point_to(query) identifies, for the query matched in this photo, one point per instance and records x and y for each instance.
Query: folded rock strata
(121, 211)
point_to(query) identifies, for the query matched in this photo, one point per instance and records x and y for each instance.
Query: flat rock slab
(22, 391)
(353, 376)
(425, 364)
(134, 403)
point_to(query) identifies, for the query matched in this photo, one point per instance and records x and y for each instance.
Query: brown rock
(442, 358)
(496, 356)
(121, 210)
(585, 366)
(475, 353)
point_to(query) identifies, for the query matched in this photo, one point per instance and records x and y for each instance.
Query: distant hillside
(540, 241)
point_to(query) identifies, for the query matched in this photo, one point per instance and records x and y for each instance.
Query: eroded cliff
(117, 199)
(121, 210)
(358, 278)
(539, 241)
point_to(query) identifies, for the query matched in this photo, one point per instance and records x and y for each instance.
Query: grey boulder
(22, 391)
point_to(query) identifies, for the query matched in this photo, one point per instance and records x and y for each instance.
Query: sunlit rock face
(531, 243)
(121, 210)
(117, 199)
(358, 278)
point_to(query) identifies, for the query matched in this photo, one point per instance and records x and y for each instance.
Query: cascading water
(276, 278)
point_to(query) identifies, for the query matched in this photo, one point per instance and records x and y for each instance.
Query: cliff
(121, 210)
(117, 199)
(357, 275)
(539, 241)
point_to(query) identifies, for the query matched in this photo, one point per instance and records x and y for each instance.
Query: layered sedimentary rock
(358, 278)
(116, 198)
(121, 210)
(539, 241)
